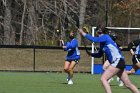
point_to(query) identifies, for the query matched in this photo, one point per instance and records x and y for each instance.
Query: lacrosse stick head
(85, 29)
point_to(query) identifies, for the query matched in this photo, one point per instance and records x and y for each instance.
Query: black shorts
(76, 60)
(135, 59)
(119, 63)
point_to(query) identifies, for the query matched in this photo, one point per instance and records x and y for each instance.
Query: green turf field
(28, 82)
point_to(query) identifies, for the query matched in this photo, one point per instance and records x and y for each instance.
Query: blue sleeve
(71, 45)
(99, 54)
(96, 39)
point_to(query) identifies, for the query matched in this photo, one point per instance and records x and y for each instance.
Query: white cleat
(111, 79)
(118, 79)
(70, 82)
(121, 83)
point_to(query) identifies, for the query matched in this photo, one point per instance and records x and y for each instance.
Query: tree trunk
(32, 24)
(7, 23)
(22, 23)
(81, 17)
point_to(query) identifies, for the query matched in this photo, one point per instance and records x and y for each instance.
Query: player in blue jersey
(106, 63)
(135, 55)
(72, 57)
(114, 56)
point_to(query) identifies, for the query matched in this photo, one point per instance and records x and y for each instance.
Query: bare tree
(32, 24)
(22, 22)
(81, 17)
(7, 22)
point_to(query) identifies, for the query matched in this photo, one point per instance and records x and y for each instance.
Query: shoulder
(105, 37)
(75, 40)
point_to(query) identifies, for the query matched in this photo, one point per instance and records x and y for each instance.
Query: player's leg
(71, 68)
(66, 66)
(134, 68)
(108, 73)
(66, 69)
(124, 77)
(105, 66)
(136, 64)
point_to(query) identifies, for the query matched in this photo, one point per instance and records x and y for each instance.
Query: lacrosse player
(72, 57)
(114, 56)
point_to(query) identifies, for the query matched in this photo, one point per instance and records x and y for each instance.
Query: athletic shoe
(70, 82)
(121, 83)
(111, 79)
(68, 78)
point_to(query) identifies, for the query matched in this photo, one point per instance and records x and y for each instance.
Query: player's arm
(95, 39)
(63, 45)
(62, 42)
(91, 38)
(133, 43)
(99, 54)
(71, 45)
(130, 47)
(82, 32)
(119, 46)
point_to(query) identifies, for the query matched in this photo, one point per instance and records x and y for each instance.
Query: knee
(66, 69)
(103, 79)
(70, 69)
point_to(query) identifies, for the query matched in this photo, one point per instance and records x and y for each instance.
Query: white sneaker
(111, 79)
(118, 79)
(121, 83)
(70, 82)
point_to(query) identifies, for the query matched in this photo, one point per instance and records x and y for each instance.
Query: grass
(28, 82)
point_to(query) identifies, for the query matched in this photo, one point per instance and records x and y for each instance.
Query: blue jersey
(73, 51)
(108, 46)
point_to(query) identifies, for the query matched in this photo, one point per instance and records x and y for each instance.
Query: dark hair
(101, 30)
